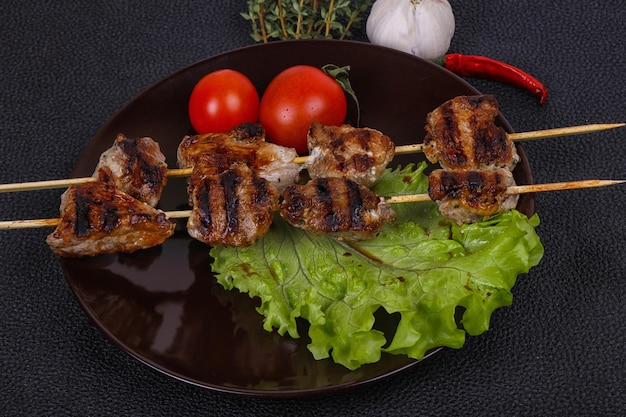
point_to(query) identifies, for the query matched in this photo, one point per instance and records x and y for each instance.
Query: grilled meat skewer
(400, 150)
(477, 157)
(336, 206)
(136, 166)
(245, 143)
(232, 208)
(360, 154)
(470, 196)
(512, 190)
(98, 218)
(462, 134)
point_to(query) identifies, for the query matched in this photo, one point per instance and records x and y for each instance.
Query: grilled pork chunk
(336, 206)
(461, 134)
(136, 166)
(232, 208)
(98, 218)
(245, 143)
(470, 196)
(359, 154)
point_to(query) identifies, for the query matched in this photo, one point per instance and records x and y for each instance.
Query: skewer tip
(559, 186)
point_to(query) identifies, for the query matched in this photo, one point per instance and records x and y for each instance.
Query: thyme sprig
(305, 19)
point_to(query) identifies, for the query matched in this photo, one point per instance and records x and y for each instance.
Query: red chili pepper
(483, 67)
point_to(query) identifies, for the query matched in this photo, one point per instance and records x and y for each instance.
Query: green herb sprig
(305, 19)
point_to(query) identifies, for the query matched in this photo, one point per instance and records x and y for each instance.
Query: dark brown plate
(163, 305)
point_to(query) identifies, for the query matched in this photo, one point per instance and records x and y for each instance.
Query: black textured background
(559, 350)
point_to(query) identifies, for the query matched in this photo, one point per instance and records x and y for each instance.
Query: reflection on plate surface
(163, 305)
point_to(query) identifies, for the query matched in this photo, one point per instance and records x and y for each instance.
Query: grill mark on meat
(364, 139)
(108, 218)
(362, 163)
(83, 223)
(336, 143)
(490, 145)
(476, 185)
(325, 199)
(475, 101)
(482, 147)
(454, 151)
(262, 194)
(203, 205)
(249, 130)
(294, 205)
(230, 183)
(105, 175)
(355, 202)
(150, 174)
(447, 185)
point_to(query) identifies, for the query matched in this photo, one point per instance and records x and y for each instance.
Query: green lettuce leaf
(443, 280)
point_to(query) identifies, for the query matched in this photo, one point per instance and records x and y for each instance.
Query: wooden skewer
(51, 184)
(413, 198)
(400, 150)
(35, 223)
(44, 185)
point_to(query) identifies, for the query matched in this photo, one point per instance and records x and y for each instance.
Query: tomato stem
(341, 75)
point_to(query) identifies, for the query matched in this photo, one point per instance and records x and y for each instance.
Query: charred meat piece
(245, 143)
(336, 206)
(98, 218)
(233, 208)
(470, 196)
(461, 134)
(136, 166)
(359, 154)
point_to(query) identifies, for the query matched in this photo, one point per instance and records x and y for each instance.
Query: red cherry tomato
(297, 97)
(221, 100)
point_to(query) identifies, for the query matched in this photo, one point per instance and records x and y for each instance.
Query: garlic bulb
(420, 27)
